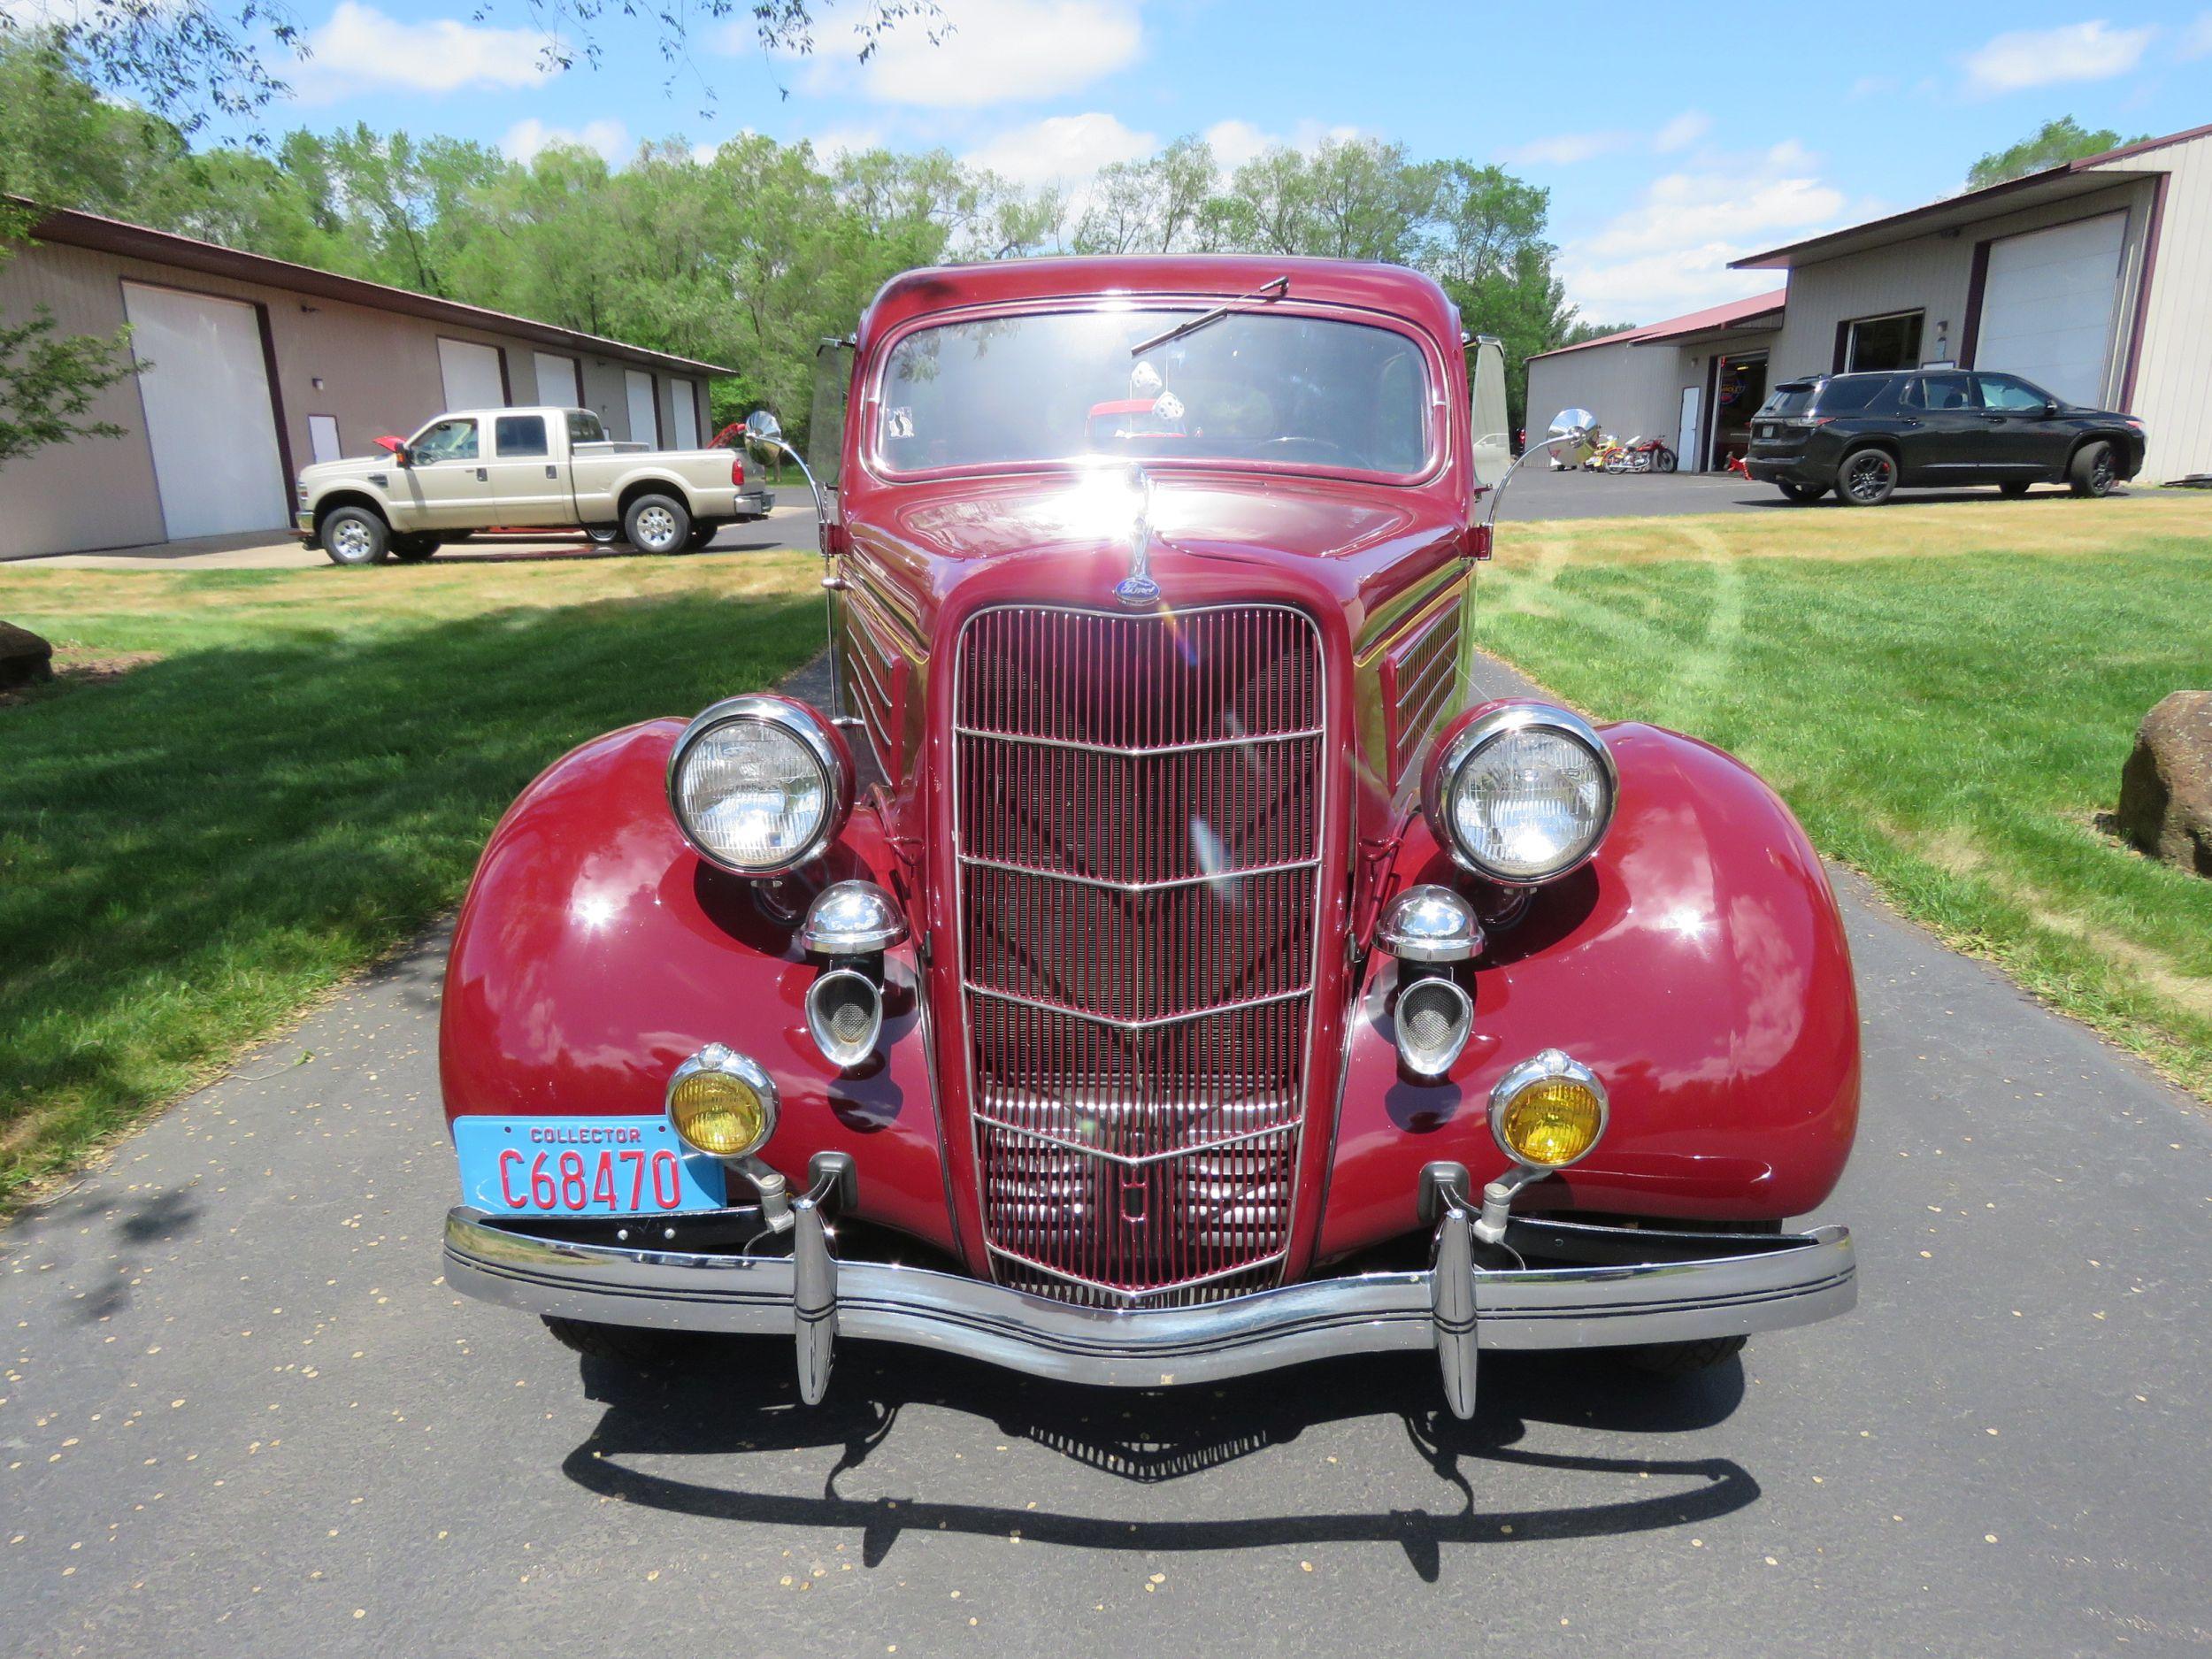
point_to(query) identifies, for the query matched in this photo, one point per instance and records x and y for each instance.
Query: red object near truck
(1213, 976)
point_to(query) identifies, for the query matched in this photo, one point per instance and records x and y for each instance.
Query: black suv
(1864, 435)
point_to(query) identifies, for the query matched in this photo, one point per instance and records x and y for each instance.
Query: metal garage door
(645, 426)
(473, 379)
(559, 380)
(204, 386)
(2048, 303)
(685, 398)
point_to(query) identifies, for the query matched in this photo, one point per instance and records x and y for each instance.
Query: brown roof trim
(1783, 256)
(71, 229)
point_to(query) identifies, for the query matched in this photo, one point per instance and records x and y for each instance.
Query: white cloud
(986, 52)
(1235, 142)
(1564, 149)
(1670, 252)
(361, 48)
(1679, 134)
(1064, 149)
(840, 142)
(2025, 58)
(2196, 40)
(607, 135)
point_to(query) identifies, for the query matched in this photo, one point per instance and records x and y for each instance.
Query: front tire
(657, 524)
(1682, 1359)
(2093, 471)
(354, 535)
(1665, 459)
(1803, 494)
(1867, 478)
(603, 534)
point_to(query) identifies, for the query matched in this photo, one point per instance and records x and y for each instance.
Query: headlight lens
(759, 784)
(1523, 793)
(722, 1102)
(1547, 1112)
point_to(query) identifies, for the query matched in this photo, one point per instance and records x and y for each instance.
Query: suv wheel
(1866, 479)
(2093, 473)
(1803, 494)
(655, 524)
(354, 535)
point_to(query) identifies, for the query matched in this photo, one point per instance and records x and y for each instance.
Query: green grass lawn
(1945, 694)
(297, 775)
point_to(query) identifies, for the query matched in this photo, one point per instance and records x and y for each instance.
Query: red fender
(1697, 964)
(596, 950)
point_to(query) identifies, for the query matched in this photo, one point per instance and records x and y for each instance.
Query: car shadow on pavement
(736, 1397)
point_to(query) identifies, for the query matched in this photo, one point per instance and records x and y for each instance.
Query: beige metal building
(1692, 380)
(2093, 278)
(249, 368)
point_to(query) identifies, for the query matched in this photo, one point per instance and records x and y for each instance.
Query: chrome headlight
(1522, 793)
(760, 784)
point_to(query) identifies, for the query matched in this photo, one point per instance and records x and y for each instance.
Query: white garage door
(205, 387)
(557, 380)
(2048, 303)
(686, 398)
(644, 426)
(472, 375)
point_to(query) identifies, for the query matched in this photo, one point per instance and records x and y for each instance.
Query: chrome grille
(1137, 814)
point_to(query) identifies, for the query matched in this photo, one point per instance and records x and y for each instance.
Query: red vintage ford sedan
(1160, 961)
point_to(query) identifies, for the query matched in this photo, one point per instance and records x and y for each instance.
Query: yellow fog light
(1548, 1111)
(722, 1102)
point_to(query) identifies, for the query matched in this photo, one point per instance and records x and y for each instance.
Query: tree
(2055, 141)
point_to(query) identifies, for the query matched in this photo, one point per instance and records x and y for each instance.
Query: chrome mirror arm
(832, 584)
(1497, 491)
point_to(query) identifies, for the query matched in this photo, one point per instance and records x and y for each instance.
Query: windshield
(1062, 385)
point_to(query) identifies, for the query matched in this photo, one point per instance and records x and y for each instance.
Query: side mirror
(2050, 407)
(397, 449)
(1492, 447)
(1574, 427)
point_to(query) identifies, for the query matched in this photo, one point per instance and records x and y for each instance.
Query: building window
(1883, 342)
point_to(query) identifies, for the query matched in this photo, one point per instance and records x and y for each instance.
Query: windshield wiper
(1274, 290)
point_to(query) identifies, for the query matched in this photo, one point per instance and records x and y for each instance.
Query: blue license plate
(582, 1166)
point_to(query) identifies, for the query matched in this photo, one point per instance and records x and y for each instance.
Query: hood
(1070, 538)
(353, 466)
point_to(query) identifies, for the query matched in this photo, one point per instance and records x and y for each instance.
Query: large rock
(24, 657)
(2166, 786)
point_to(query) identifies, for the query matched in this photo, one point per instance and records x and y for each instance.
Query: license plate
(582, 1166)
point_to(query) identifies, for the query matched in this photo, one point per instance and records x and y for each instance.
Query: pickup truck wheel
(655, 524)
(1803, 494)
(2093, 473)
(701, 535)
(625, 1345)
(1867, 478)
(2014, 487)
(354, 535)
(1682, 1359)
(412, 550)
(603, 534)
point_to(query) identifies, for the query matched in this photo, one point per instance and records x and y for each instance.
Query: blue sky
(1671, 139)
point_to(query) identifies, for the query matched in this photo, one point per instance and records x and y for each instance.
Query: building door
(472, 376)
(2049, 301)
(210, 419)
(685, 398)
(559, 380)
(1685, 438)
(645, 426)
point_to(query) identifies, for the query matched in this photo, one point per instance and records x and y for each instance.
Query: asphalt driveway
(241, 1414)
(1536, 492)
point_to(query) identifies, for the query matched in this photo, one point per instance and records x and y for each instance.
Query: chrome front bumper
(1690, 1286)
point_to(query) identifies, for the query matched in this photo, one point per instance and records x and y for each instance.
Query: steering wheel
(1330, 448)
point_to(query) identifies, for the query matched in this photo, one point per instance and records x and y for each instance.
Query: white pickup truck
(524, 468)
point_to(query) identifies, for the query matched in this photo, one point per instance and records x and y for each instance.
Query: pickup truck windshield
(1062, 385)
